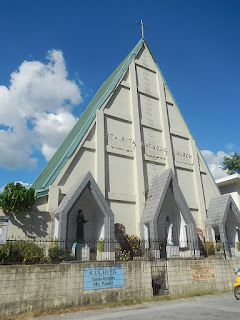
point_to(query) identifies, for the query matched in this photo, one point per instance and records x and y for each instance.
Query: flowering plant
(124, 255)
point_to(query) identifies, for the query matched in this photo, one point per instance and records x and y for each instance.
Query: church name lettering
(102, 272)
(122, 139)
(147, 146)
(182, 154)
(103, 277)
(201, 272)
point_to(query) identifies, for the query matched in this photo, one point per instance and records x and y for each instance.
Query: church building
(131, 160)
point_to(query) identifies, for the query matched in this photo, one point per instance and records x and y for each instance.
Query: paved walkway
(214, 307)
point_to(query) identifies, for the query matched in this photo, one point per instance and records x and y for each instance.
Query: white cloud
(52, 129)
(35, 111)
(25, 184)
(230, 146)
(214, 162)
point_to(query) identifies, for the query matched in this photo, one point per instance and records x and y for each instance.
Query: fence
(27, 251)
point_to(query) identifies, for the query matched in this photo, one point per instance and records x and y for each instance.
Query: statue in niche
(169, 231)
(80, 227)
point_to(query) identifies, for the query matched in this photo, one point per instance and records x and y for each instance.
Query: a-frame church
(130, 160)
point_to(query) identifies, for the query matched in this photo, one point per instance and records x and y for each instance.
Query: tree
(232, 164)
(16, 197)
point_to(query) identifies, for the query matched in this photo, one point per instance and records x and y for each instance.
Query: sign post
(3, 229)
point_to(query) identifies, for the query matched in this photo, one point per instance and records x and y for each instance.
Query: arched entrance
(167, 223)
(85, 195)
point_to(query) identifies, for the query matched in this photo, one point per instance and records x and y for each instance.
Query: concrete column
(138, 159)
(237, 235)
(165, 124)
(202, 214)
(224, 240)
(100, 150)
(53, 198)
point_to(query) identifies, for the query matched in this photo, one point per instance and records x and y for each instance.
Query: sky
(55, 54)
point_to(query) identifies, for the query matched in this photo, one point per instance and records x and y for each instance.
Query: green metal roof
(69, 145)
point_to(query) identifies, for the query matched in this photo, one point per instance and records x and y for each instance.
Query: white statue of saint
(169, 231)
(183, 233)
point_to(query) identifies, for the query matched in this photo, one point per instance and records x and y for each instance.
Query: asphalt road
(220, 307)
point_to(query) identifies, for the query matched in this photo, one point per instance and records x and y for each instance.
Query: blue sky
(56, 54)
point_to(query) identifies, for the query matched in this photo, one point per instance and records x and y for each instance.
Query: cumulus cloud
(35, 110)
(214, 162)
(52, 129)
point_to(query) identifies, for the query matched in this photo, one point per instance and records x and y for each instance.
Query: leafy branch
(16, 197)
(232, 164)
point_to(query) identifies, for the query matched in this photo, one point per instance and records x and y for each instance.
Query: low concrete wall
(187, 276)
(41, 287)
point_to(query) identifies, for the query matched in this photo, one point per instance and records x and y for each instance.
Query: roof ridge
(70, 143)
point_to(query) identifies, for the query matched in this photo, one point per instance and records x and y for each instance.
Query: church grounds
(42, 251)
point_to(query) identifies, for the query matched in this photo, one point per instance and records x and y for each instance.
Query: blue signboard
(103, 277)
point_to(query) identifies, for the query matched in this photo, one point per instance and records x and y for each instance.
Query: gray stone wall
(188, 276)
(41, 287)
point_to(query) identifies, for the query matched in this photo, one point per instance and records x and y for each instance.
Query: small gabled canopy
(218, 212)
(70, 199)
(156, 196)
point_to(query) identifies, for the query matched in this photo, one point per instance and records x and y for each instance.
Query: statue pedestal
(190, 253)
(100, 256)
(105, 256)
(81, 251)
(172, 251)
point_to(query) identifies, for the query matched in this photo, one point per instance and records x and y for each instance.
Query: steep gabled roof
(70, 199)
(218, 210)
(217, 216)
(66, 149)
(71, 142)
(156, 196)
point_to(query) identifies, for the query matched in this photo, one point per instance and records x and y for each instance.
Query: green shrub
(128, 243)
(57, 254)
(124, 256)
(100, 245)
(134, 244)
(55, 243)
(238, 245)
(21, 252)
(218, 246)
(209, 247)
